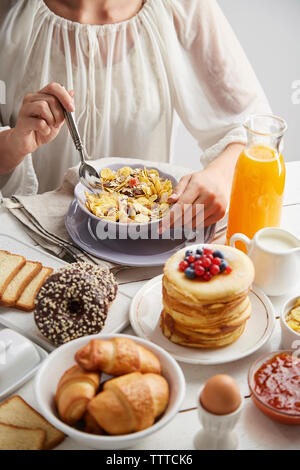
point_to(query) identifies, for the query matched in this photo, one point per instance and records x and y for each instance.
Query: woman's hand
(40, 119)
(199, 194)
(203, 195)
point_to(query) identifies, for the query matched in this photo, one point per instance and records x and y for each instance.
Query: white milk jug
(276, 257)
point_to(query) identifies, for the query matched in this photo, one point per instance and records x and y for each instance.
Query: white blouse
(128, 78)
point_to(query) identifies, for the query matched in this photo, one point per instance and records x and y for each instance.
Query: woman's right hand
(40, 118)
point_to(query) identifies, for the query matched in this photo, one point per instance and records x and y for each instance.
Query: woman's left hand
(203, 196)
(203, 190)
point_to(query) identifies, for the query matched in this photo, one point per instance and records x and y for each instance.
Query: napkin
(43, 215)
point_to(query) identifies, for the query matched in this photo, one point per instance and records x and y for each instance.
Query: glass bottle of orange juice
(259, 179)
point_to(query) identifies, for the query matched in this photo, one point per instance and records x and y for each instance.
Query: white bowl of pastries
(135, 198)
(109, 391)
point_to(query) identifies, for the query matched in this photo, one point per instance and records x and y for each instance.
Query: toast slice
(21, 280)
(16, 412)
(10, 265)
(26, 300)
(16, 438)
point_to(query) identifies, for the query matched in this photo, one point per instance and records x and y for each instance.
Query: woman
(131, 63)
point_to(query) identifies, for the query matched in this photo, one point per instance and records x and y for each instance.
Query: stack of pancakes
(210, 314)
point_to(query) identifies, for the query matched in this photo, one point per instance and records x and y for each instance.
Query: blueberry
(218, 254)
(190, 273)
(199, 251)
(197, 257)
(192, 266)
(186, 259)
(223, 265)
(188, 253)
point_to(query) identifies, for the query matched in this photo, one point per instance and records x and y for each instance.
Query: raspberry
(199, 271)
(217, 261)
(214, 269)
(207, 276)
(183, 265)
(197, 264)
(206, 262)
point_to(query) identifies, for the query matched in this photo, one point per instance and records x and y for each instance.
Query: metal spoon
(88, 176)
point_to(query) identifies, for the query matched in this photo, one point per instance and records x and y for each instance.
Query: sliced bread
(17, 412)
(21, 280)
(26, 300)
(16, 438)
(10, 265)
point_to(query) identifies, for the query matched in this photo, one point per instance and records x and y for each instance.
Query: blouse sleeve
(22, 180)
(4, 178)
(215, 87)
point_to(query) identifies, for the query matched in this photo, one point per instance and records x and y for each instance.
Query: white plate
(145, 312)
(24, 323)
(140, 253)
(22, 380)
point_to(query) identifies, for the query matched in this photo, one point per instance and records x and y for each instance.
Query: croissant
(75, 389)
(130, 403)
(91, 425)
(117, 356)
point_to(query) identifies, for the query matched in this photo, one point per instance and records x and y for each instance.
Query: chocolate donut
(69, 305)
(105, 279)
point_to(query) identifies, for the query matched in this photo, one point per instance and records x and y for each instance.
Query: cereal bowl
(63, 358)
(103, 228)
(288, 335)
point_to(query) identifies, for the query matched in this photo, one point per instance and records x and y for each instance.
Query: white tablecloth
(255, 430)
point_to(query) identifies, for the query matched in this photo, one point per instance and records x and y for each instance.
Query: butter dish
(20, 358)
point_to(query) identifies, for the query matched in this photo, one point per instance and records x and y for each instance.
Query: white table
(255, 430)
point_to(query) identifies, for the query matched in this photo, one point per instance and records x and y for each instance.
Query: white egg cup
(217, 431)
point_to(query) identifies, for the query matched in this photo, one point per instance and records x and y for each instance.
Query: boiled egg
(221, 395)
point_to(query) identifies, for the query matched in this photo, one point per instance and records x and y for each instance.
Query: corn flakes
(293, 317)
(130, 195)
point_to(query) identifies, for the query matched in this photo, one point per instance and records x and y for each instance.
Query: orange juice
(257, 192)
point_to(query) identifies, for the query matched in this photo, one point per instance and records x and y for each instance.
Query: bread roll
(117, 356)
(130, 403)
(75, 389)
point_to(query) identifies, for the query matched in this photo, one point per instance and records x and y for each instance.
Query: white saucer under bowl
(124, 252)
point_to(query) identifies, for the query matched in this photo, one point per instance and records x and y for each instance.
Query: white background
(269, 31)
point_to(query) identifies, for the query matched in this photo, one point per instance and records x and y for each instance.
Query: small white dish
(290, 339)
(20, 359)
(218, 430)
(18, 356)
(63, 358)
(145, 312)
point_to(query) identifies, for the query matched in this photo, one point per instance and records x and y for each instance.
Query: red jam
(277, 383)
